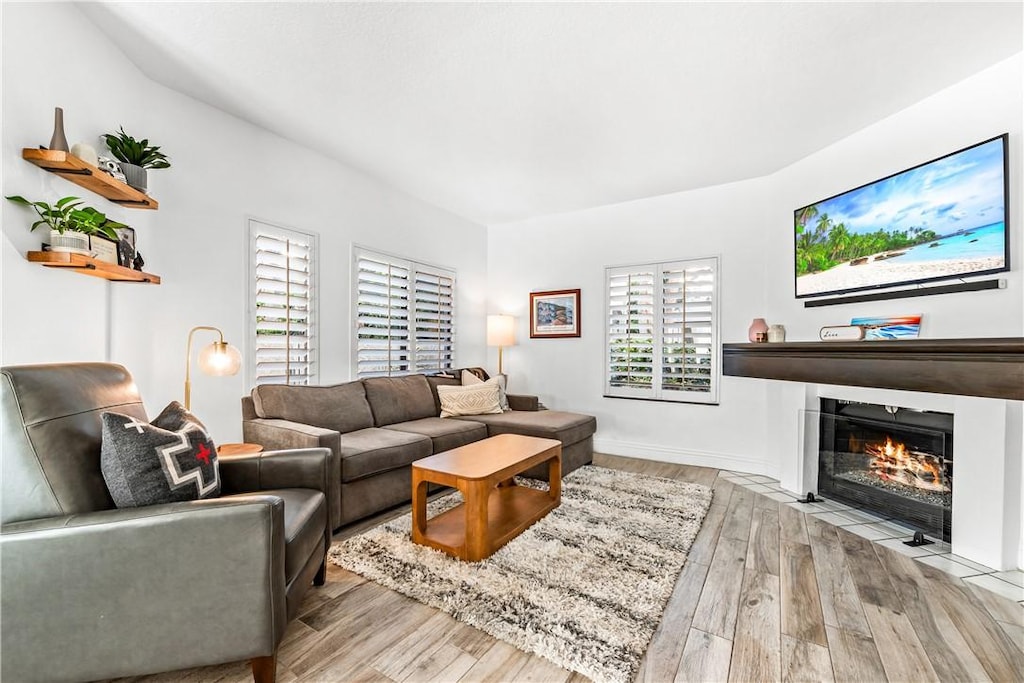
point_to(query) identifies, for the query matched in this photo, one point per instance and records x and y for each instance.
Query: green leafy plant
(69, 214)
(131, 151)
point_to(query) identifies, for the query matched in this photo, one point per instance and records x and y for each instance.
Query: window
(282, 305)
(663, 331)
(404, 316)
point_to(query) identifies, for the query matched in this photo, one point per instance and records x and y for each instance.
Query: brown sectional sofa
(379, 426)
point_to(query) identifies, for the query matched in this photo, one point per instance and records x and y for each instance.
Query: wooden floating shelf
(90, 266)
(88, 176)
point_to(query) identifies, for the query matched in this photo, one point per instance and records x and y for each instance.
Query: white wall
(749, 224)
(981, 107)
(571, 250)
(224, 170)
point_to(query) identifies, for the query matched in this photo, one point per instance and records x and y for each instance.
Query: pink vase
(758, 331)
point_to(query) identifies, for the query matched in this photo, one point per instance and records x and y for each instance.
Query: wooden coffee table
(495, 510)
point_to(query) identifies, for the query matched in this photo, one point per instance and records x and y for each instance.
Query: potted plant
(135, 157)
(70, 223)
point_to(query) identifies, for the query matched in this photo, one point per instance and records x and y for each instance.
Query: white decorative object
(776, 333)
(842, 333)
(111, 168)
(70, 241)
(85, 152)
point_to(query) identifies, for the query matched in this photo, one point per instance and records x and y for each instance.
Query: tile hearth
(890, 534)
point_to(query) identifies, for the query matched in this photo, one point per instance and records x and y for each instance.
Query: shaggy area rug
(584, 587)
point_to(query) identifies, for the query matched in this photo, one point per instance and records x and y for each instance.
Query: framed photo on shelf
(104, 249)
(555, 314)
(125, 246)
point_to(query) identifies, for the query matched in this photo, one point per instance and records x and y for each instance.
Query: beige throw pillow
(481, 399)
(469, 379)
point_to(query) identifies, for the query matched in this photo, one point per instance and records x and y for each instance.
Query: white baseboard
(682, 456)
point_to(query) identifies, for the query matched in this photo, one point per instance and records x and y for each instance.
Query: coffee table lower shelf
(510, 511)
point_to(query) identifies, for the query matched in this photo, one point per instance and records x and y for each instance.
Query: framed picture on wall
(555, 314)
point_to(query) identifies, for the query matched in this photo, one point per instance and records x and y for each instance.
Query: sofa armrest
(103, 594)
(523, 402)
(277, 435)
(248, 409)
(305, 468)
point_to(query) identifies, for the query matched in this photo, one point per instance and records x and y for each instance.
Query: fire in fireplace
(896, 462)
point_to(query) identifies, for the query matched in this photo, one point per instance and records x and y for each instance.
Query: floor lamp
(501, 333)
(219, 359)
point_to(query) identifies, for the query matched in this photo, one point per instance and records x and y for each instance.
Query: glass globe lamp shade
(220, 359)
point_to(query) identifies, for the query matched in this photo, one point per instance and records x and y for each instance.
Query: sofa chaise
(379, 426)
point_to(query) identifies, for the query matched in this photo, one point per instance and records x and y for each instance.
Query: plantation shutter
(662, 336)
(688, 334)
(382, 316)
(631, 331)
(435, 324)
(282, 306)
(404, 316)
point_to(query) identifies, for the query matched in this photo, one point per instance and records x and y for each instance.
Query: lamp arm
(188, 360)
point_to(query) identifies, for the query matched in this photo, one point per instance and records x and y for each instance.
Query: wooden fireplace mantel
(993, 368)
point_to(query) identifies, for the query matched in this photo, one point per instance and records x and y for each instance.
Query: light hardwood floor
(768, 593)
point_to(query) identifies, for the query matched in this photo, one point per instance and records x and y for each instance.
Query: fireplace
(896, 462)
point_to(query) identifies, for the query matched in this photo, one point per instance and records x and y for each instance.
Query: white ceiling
(503, 111)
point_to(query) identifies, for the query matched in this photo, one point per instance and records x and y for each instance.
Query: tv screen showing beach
(943, 219)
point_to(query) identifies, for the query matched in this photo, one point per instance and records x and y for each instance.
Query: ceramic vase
(69, 241)
(758, 331)
(776, 333)
(58, 141)
(134, 176)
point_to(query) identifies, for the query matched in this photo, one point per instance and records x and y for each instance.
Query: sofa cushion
(371, 451)
(436, 381)
(341, 407)
(444, 434)
(480, 399)
(171, 460)
(470, 379)
(399, 399)
(549, 424)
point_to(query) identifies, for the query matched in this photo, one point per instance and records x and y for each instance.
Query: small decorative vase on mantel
(58, 141)
(758, 331)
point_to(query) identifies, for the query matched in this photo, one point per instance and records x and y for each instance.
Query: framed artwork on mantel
(555, 314)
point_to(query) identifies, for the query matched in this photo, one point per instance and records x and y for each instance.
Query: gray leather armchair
(88, 591)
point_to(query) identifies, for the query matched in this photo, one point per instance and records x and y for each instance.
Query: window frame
(255, 228)
(413, 268)
(657, 391)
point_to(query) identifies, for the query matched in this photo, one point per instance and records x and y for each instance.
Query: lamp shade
(501, 330)
(220, 359)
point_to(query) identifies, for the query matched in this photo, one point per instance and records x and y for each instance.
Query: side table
(229, 450)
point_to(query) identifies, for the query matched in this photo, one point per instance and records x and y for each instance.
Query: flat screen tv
(943, 219)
